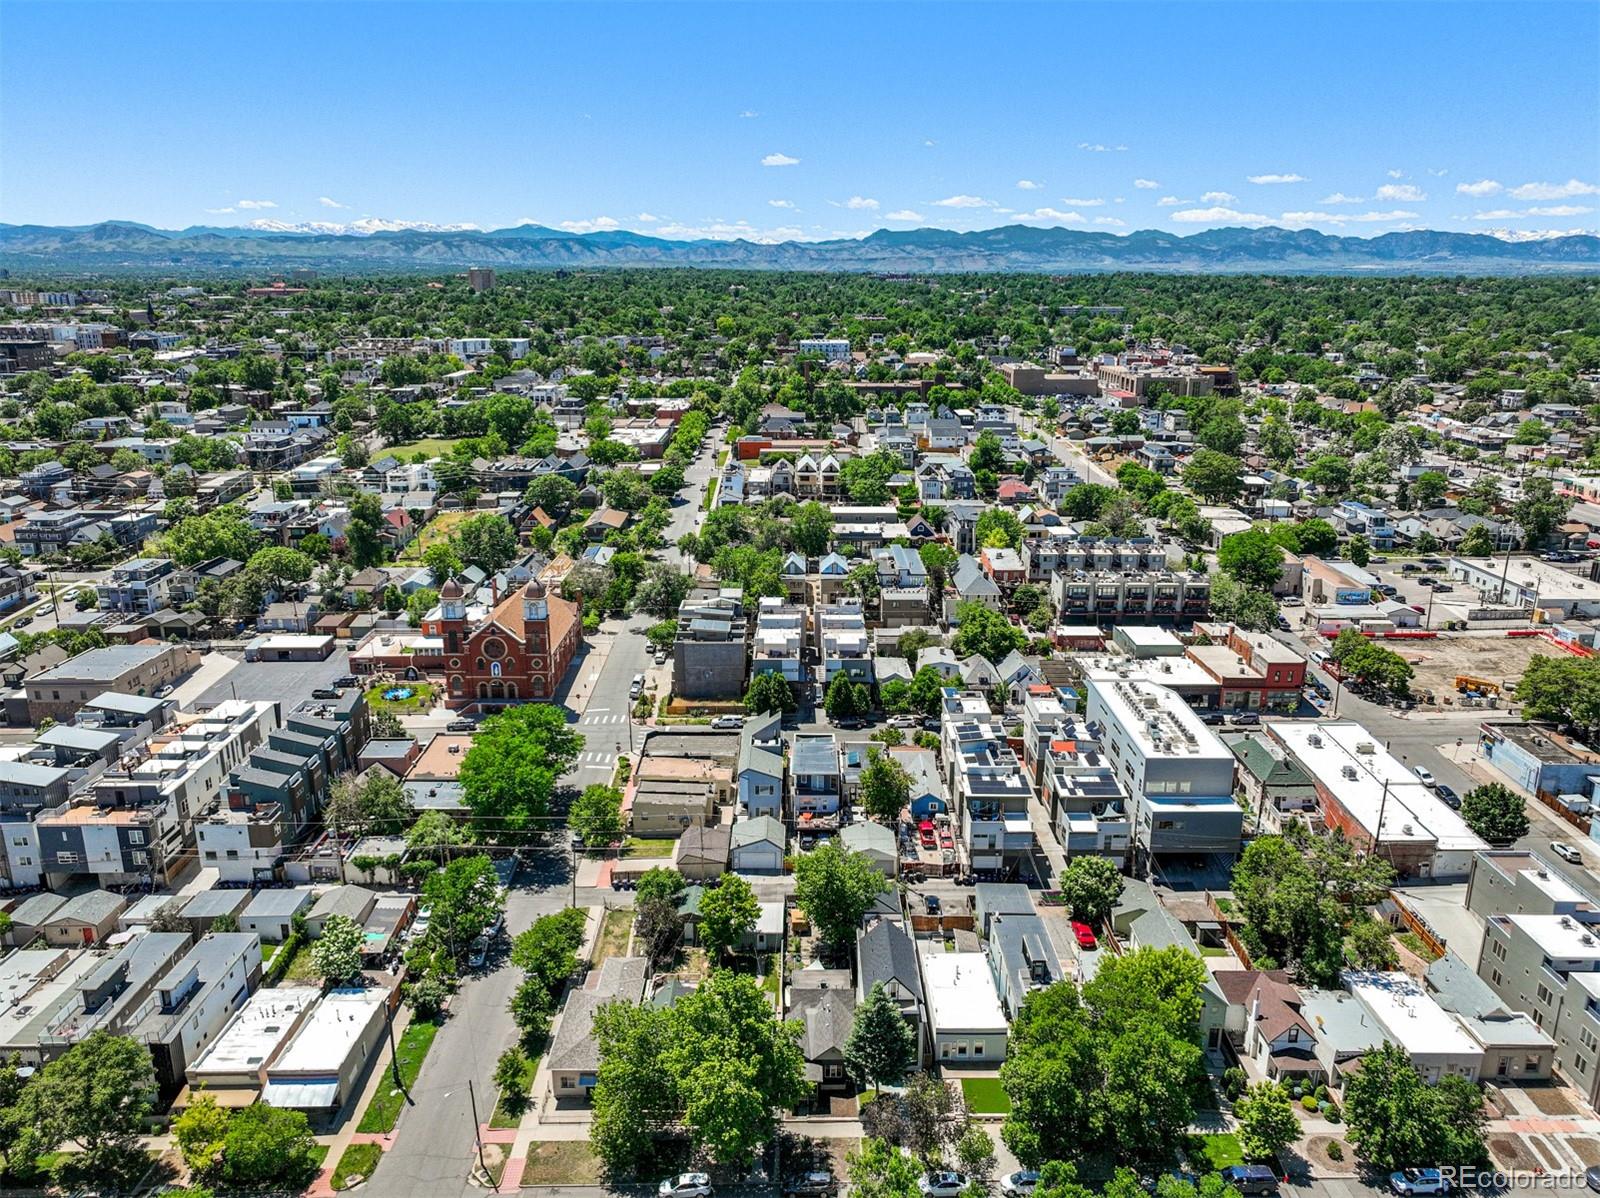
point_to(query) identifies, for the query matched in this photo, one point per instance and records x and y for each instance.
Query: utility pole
(477, 1132)
(394, 1053)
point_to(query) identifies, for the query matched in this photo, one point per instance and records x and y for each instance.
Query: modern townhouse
(985, 782)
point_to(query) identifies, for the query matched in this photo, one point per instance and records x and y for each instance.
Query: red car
(1085, 934)
(925, 834)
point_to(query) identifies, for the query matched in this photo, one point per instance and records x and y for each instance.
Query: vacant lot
(435, 530)
(560, 1163)
(384, 1107)
(434, 447)
(1500, 659)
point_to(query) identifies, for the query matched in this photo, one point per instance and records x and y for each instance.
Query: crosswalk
(603, 760)
(603, 719)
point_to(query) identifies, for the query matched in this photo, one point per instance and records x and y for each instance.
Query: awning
(301, 1096)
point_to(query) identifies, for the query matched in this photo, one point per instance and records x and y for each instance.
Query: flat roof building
(238, 1058)
(317, 1071)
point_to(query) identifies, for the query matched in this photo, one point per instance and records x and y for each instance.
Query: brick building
(520, 650)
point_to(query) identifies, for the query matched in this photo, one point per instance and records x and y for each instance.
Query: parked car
(1215, 717)
(926, 835)
(931, 904)
(1591, 1177)
(727, 723)
(903, 721)
(1319, 657)
(942, 1184)
(461, 726)
(1293, 601)
(1566, 852)
(1283, 622)
(685, 1185)
(809, 1185)
(1377, 561)
(1432, 563)
(1251, 1179)
(478, 953)
(1442, 588)
(347, 680)
(637, 689)
(1425, 776)
(1019, 1184)
(1419, 1181)
(1084, 934)
(1448, 796)
(1247, 719)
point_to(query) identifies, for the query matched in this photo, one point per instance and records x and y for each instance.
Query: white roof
(256, 1032)
(1410, 1017)
(1158, 720)
(1559, 937)
(329, 1033)
(961, 993)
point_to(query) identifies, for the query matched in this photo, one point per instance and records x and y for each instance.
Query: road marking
(596, 710)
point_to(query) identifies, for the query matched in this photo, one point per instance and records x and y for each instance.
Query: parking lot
(289, 682)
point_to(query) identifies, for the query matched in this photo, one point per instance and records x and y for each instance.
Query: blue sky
(813, 120)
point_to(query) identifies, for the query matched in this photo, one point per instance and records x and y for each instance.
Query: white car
(1410, 1182)
(1425, 776)
(725, 723)
(942, 1184)
(903, 721)
(1566, 852)
(1019, 1184)
(685, 1185)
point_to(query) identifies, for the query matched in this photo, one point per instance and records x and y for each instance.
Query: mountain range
(123, 246)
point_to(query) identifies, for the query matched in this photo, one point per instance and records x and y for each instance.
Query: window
(977, 1048)
(566, 1083)
(140, 857)
(135, 837)
(1586, 1038)
(1543, 994)
(1494, 977)
(1498, 948)
(1581, 1064)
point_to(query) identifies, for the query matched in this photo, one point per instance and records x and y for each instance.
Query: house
(886, 953)
(927, 788)
(767, 934)
(1433, 1038)
(761, 765)
(574, 1056)
(816, 777)
(874, 841)
(1021, 959)
(701, 853)
(967, 1023)
(355, 903)
(756, 846)
(86, 919)
(1266, 1022)
(824, 1003)
(271, 913)
(203, 910)
(1513, 1045)
(194, 1001)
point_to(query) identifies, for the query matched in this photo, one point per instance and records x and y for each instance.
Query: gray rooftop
(888, 954)
(753, 831)
(209, 904)
(103, 665)
(91, 907)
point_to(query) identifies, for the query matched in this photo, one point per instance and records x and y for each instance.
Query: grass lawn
(503, 1118)
(435, 530)
(269, 951)
(1217, 1151)
(1212, 950)
(638, 846)
(1417, 945)
(358, 1159)
(711, 494)
(318, 1155)
(384, 1108)
(300, 971)
(559, 1163)
(613, 938)
(432, 446)
(984, 1096)
(421, 699)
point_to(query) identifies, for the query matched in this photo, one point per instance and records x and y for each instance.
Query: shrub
(1332, 1114)
(1310, 1103)
(1233, 1081)
(1322, 1092)
(1335, 1150)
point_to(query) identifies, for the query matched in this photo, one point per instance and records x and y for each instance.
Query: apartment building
(1089, 809)
(816, 776)
(1043, 556)
(140, 586)
(842, 643)
(1178, 775)
(710, 654)
(832, 349)
(778, 644)
(984, 780)
(1160, 595)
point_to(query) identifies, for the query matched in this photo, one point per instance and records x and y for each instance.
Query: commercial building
(1377, 802)
(1432, 1037)
(966, 1020)
(138, 669)
(1528, 583)
(238, 1058)
(1537, 758)
(1178, 775)
(318, 1069)
(1256, 672)
(710, 654)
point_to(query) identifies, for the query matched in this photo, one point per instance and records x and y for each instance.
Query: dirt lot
(1498, 658)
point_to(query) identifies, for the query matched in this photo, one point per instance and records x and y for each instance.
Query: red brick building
(519, 652)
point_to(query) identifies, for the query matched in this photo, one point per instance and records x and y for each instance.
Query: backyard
(614, 931)
(639, 846)
(434, 447)
(435, 530)
(384, 1109)
(985, 1096)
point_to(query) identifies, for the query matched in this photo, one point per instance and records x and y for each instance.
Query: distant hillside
(125, 246)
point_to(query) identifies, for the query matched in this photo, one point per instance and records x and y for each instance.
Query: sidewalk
(380, 1074)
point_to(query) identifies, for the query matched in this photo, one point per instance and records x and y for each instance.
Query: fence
(1417, 924)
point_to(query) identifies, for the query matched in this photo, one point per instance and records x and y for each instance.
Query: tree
(926, 693)
(596, 814)
(835, 887)
(554, 494)
(938, 560)
(986, 632)
(1214, 477)
(279, 567)
(770, 691)
(387, 726)
(222, 533)
(511, 1078)
(1397, 1122)
(657, 928)
(1477, 542)
(266, 1145)
(1495, 812)
(1539, 511)
(1267, 1123)
(841, 700)
(97, 1095)
(881, 1048)
(728, 913)
(1290, 922)
(1428, 488)
(661, 592)
(1330, 472)
(877, 1169)
(1360, 552)
(487, 541)
(1250, 609)
(1252, 559)
(661, 881)
(548, 954)
(373, 804)
(811, 528)
(464, 898)
(336, 954)
(885, 787)
(1091, 886)
(998, 528)
(200, 1132)
(1369, 944)
(436, 833)
(510, 772)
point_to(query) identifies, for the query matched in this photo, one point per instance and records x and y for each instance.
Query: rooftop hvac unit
(1315, 740)
(1405, 829)
(1349, 771)
(1366, 747)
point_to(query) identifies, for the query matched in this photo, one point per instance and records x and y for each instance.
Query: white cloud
(1111, 221)
(963, 201)
(722, 230)
(749, 114)
(1146, 184)
(326, 202)
(905, 214)
(1171, 202)
(219, 211)
(779, 160)
(1438, 174)
(1339, 218)
(1095, 147)
(1339, 197)
(249, 205)
(1219, 216)
(1090, 203)
(1536, 210)
(598, 224)
(1218, 197)
(1028, 185)
(1405, 193)
(928, 141)
(1483, 187)
(860, 202)
(1277, 179)
(1397, 174)
(360, 228)
(1054, 216)
(1552, 191)
(647, 218)
(781, 203)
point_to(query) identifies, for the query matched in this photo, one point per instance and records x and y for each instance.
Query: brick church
(519, 651)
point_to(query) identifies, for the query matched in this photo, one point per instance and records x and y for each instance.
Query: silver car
(685, 1185)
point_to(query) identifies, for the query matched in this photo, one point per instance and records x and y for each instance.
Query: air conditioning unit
(1315, 740)
(1366, 747)
(1349, 771)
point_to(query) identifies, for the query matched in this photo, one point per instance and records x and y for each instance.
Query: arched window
(455, 684)
(494, 669)
(480, 663)
(511, 690)
(483, 690)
